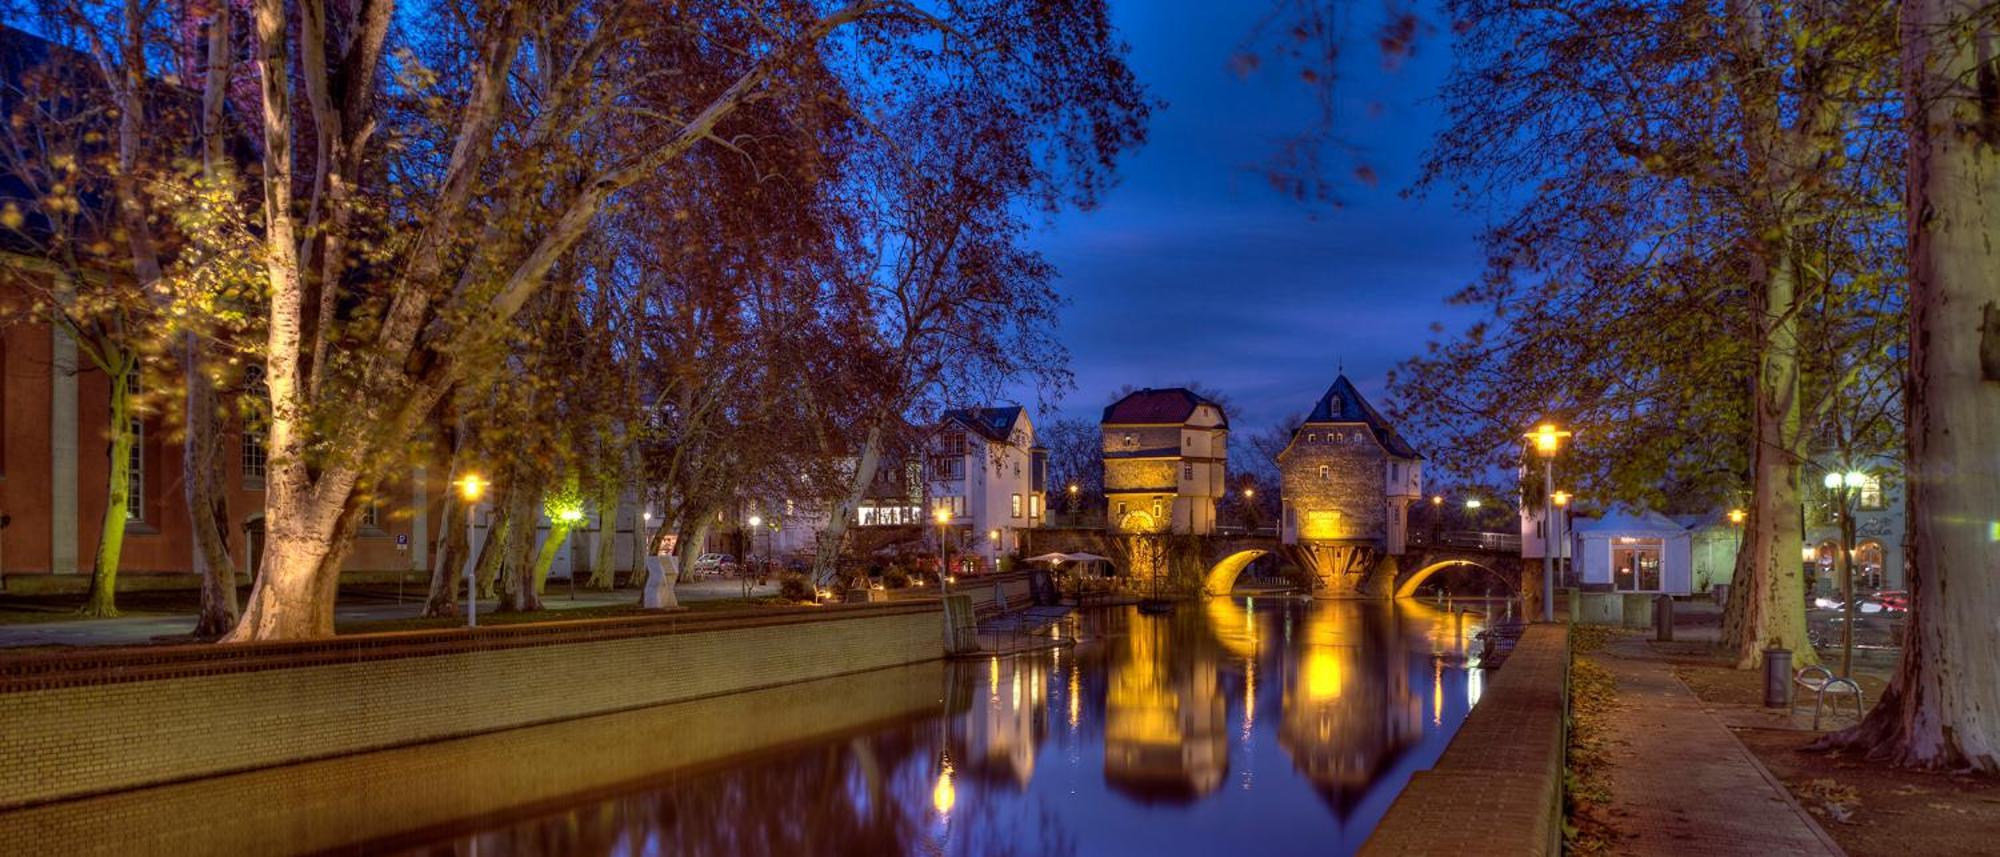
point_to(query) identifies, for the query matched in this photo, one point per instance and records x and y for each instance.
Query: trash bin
(1778, 678)
(1663, 618)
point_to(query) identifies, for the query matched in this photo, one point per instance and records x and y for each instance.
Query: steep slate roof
(994, 424)
(1171, 406)
(1343, 404)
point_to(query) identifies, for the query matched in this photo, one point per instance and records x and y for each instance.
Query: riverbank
(72, 717)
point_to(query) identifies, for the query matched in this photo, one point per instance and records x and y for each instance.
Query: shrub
(895, 577)
(795, 587)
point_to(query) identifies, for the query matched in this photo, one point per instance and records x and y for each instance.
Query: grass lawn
(23, 609)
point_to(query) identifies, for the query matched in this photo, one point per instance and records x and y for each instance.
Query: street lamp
(943, 517)
(1548, 441)
(471, 487)
(1843, 485)
(1473, 503)
(1561, 531)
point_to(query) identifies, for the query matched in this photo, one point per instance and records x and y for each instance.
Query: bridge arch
(1222, 576)
(1410, 584)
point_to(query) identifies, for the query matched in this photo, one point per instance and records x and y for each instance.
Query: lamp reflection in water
(1350, 712)
(944, 795)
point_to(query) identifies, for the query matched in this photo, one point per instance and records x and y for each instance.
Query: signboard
(402, 541)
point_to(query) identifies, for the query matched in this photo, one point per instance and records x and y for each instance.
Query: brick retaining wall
(337, 805)
(1498, 787)
(83, 723)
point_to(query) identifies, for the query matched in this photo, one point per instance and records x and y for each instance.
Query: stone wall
(96, 721)
(1498, 787)
(1355, 486)
(343, 804)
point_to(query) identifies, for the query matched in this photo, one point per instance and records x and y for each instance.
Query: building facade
(1348, 478)
(989, 480)
(1165, 453)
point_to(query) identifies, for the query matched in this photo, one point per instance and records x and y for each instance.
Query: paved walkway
(1681, 784)
(130, 630)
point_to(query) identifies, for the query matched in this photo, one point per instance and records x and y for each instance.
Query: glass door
(1635, 564)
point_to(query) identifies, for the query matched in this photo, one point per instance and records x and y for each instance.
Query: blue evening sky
(1195, 269)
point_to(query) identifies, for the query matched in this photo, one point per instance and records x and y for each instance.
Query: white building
(1630, 550)
(989, 477)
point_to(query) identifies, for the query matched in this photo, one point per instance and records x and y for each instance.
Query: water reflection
(1118, 746)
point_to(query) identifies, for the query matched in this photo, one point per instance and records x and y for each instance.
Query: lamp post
(944, 567)
(1843, 485)
(1548, 441)
(471, 487)
(1072, 504)
(1561, 532)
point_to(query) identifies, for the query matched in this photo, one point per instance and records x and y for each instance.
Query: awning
(1069, 557)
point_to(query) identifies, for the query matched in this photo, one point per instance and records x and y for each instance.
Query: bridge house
(1348, 481)
(1164, 456)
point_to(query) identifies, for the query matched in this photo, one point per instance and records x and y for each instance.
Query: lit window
(135, 473)
(1035, 506)
(255, 457)
(1871, 493)
(1015, 506)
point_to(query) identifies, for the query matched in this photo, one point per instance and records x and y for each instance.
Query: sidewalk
(137, 630)
(1681, 783)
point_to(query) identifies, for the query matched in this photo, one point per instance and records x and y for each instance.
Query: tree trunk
(688, 547)
(448, 567)
(103, 600)
(299, 577)
(603, 574)
(453, 543)
(1942, 708)
(826, 554)
(1767, 594)
(493, 551)
(208, 507)
(518, 590)
(545, 559)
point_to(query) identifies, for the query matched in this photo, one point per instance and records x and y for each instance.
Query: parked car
(714, 563)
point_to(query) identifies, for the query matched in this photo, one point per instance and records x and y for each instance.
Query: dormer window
(1325, 472)
(1312, 437)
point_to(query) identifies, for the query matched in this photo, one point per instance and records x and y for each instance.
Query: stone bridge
(1212, 564)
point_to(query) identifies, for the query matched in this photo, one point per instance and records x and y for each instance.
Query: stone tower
(1348, 481)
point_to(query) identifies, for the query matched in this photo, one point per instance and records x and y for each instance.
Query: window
(1034, 505)
(371, 516)
(1121, 510)
(789, 507)
(953, 443)
(135, 475)
(948, 467)
(1015, 506)
(1870, 495)
(1312, 437)
(1635, 564)
(1325, 472)
(1187, 471)
(953, 505)
(1131, 441)
(255, 457)
(1156, 508)
(1017, 468)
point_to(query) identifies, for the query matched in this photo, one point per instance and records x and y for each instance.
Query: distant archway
(1409, 587)
(1222, 577)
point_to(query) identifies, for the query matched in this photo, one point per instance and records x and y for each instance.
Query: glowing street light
(944, 580)
(1548, 441)
(1738, 516)
(471, 487)
(1473, 503)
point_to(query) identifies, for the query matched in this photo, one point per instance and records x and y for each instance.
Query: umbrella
(1089, 557)
(1050, 557)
